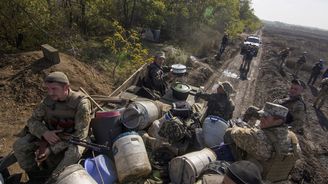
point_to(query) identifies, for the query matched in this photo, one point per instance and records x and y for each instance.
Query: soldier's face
(57, 91)
(295, 90)
(160, 61)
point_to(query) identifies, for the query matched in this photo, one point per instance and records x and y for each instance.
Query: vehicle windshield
(253, 40)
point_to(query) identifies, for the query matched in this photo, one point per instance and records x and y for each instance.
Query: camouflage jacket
(80, 110)
(301, 60)
(297, 111)
(256, 142)
(218, 105)
(156, 78)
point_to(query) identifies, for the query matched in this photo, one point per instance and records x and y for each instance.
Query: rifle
(92, 146)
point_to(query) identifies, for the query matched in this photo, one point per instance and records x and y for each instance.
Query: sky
(312, 13)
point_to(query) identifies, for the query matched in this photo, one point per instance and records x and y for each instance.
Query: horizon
(307, 13)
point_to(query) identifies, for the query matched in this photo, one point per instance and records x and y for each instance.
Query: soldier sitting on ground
(220, 103)
(156, 76)
(323, 94)
(44, 147)
(295, 103)
(271, 146)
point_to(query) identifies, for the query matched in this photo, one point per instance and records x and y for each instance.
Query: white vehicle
(253, 41)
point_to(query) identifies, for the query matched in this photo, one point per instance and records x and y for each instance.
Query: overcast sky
(313, 13)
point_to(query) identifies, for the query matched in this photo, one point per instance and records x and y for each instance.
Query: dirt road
(245, 88)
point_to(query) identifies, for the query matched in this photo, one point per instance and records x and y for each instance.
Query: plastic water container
(214, 129)
(130, 155)
(106, 127)
(101, 169)
(140, 114)
(186, 168)
(75, 174)
(156, 125)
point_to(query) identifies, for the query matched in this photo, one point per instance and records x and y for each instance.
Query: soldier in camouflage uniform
(263, 144)
(157, 75)
(61, 114)
(220, 103)
(323, 94)
(294, 102)
(299, 63)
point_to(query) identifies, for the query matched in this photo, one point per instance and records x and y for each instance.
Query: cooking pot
(178, 69)
(180, 90)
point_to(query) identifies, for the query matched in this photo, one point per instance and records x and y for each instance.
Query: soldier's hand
(51, 136)
(40, 157)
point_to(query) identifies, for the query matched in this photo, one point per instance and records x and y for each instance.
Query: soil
(21, 89)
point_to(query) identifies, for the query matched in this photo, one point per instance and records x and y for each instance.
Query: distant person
(300, 63)
(247, 60)
(156, 77)
(283, 56)
(224, 43)
(323, 94)
(44, 148)
(219, 103)
(240, 172)
(316, 71)
(271, 146)
(296, 106)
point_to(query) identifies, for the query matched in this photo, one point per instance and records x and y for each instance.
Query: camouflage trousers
(298, 67)
(25, 147)
(321, 98)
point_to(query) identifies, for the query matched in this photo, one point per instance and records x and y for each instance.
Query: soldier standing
(220, 103)
(323, 94)
(299, 63)
(269, 144)
(283, 55)
(63, 113)
(316, 70)
(295, 103)
(224, 43)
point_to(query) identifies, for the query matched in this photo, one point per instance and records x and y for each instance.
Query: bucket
(75, 174)
(130, 157)
(106, 127)
(214, 129)
(186, 168)
(101, 169)
(140, 114)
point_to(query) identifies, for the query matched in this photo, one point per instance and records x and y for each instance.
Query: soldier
(299, 64)
(220, 103)
(271, 145)
(316, 70)
(323, 94)
(283, 55)
(63, 113)
(294, 102)
(156, 77)
(247, 59)
(224, 43)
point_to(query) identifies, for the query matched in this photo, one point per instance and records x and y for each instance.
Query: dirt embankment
(272, 84)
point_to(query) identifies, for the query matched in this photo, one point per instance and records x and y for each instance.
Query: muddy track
(245, 88)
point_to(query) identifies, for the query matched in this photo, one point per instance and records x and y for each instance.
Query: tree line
(115, 24)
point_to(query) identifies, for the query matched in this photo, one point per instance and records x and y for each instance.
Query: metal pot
(180, 91)
(179, 69)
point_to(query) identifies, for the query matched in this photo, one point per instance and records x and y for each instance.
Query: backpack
(174, 130)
